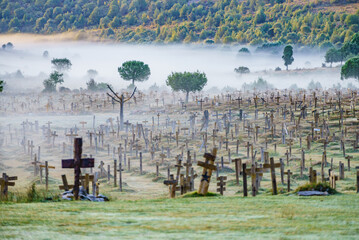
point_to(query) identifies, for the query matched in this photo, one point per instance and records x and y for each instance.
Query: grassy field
(274, 217)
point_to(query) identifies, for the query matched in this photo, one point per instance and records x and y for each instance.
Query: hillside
(312, 22)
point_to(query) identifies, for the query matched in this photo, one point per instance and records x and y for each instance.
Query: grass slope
(274, 217)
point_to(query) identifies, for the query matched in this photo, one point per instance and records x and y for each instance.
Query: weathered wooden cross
(221, 184)
(46, 167)
(77, 163)
(4, 184)
(208, 167)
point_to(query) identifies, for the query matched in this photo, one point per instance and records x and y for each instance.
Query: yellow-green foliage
(222, 21)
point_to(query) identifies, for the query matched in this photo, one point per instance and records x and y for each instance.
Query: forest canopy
(224, 21)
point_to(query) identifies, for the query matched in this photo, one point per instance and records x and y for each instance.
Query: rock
(312, 193)
(68, 195)
(103, 197)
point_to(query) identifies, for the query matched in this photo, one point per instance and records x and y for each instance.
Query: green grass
(273, 217)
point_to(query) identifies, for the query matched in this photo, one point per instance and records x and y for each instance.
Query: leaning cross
(208, 167)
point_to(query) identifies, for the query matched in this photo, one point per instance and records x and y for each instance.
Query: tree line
(223, 21)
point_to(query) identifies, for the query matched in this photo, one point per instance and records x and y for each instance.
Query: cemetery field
(275, 217)
(253, 153)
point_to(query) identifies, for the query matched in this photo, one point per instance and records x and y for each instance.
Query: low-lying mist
(218, 62)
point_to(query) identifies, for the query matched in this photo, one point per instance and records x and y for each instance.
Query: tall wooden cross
(77, 163)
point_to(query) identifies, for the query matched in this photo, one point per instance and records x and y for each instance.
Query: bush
(32, 194)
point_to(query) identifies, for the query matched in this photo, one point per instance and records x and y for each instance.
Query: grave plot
(311, 137)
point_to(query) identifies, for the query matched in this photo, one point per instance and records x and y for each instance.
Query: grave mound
(319, 187)
(196, 194)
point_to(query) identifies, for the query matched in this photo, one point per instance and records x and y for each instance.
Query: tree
(61, 64)
(49, 86)
(333, 55)
(1, 85)
(54, 79)
(242, 70)
(187, 82)
(121, 100)
(92, 73)
(45, 54)
(134, 71)
(288, 56)
(91, 85)
(244, 51)
(57, 77)
(260, 17)
(350, 69)
(352, 46)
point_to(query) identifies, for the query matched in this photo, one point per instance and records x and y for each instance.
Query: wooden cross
(244, 174)
(178, 166)
(54, 135)
(71, 135)
(36, 167)
(253, 172)
(102, 170)
(333, 179)
(348, 158)
(188, 179)
(288, 173)
(120, 170)
(255, 101)
(77, 163)
(48, 124)
(247, 146)
(238, 164)
(4, 184)
(163, 156)
(157, 169)
(31, 147)
(221, 184)
(46, 167)
(113, 132)
(312, 175)
(171, 183)
(85, 181)
(83, 124)
(201, 102)
(239, 102)
(277, 98)
(65, 185)
(208, 167)
(272, 167)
